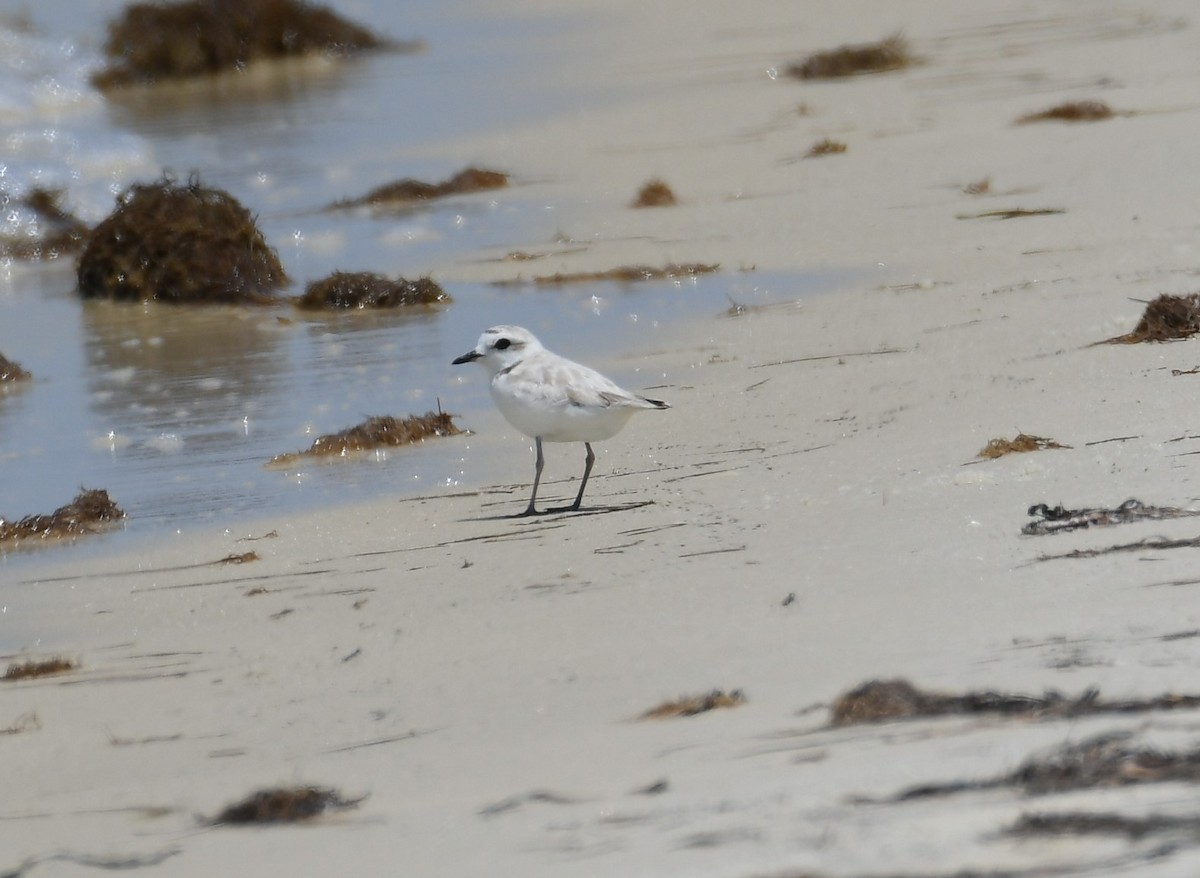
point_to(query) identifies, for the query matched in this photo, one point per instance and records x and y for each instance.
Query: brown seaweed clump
(45, 668)
(695, 704)
(825, 146)
(10, 371)
(1166, 318)
(91, 511)
(377, 432)
(155, 42)
(655, 193)
(284, 805)
(364, 289)
(179, 243)
(1021, 444)
(55, 233)
(892, 53)
(407, 191)
(1072, 111)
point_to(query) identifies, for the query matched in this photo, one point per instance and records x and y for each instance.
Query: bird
(552, 399)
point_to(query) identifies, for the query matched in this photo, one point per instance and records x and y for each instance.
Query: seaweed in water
(284, 805)
(1072, 111)
(89, 512)
(378, 432)
(655, 193)
(46, 668)
(10, 371)
(625, 274)
(179, 243)
(1166, 318)
(1023, 443)
(57, 232)
(890, 54)
(365, 289)
(695, 704)
(886, 700)
(154, 42)
(407, 191)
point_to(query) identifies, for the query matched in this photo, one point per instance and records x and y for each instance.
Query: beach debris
(47, 230)
(1013, 213)
(39, 668)
(982, 186)
(898, 699)
(157, 42)
(90, 512)
(1149, 544)
(655, 193)
(238, 558)
(179, 243)
(1060, 520)
(10, 371)
(1107, 823)
(284, 805)
(119, 862)
(1071, 111)
(692, 705)
(26, 722)
(1105, 760)
(381, 431)
(1166, 318)
(657, 788)
(1023, 443)
(366, 289)
(404, 193)
(625, 274)
(825, 146)
(269, 535)
(889, 54)
(512, 803)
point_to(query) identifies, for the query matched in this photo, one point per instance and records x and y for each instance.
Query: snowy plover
(551, 398)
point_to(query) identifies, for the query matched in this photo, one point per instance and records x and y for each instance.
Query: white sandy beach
(479, 677)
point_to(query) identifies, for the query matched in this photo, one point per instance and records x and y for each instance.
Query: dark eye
(502, 344)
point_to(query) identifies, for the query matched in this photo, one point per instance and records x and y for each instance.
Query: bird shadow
(558, 513)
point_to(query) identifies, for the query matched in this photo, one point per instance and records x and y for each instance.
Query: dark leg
(587, 469)
(537, 476)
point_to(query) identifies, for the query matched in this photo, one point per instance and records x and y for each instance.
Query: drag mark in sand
(818, 357)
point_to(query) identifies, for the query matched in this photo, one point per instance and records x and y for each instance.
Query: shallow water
(175, 411)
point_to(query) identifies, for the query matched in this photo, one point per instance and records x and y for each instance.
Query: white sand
(444, 659)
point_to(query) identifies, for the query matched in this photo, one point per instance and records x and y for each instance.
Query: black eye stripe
(502, 344)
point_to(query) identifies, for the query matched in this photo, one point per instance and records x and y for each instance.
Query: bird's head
(501, 347)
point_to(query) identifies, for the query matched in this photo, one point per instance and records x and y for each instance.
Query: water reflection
(156, 368)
